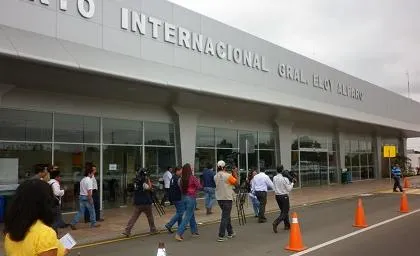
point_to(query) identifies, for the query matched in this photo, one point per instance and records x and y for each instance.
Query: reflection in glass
(332, 165)
(230, 156)
(267, 159)
(120, 165)
(295, 165)
(364, 174)
(203, 157)
(355, 173)
(205, 137)
(371, 171)
(118, 131)
(71, 160)
(19, 125)
(313, 168)
(266, 140)
(226, 138)
(158, 159)
(159, 134)
(28, 155)
(76, 129)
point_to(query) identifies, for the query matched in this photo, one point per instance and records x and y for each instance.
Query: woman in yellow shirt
(28, 222)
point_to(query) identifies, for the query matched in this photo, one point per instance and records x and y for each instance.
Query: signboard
(390, 151)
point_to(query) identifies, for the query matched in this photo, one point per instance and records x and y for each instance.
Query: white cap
(221, 163)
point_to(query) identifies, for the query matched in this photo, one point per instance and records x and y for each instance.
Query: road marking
(317, 247)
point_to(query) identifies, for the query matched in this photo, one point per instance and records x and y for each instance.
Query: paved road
(318, 223)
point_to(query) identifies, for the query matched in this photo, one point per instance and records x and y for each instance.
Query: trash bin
(2, 208)
(344, 176)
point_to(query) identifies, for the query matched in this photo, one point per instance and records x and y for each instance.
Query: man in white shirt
(54, 183)
(95, 195)
(85, 200)
(259, 186)
(282, 188)
(167, 176)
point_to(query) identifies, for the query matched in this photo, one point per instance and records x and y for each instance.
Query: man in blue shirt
(209, 187)
(396, 175)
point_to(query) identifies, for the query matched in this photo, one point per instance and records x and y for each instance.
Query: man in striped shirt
(396, 175)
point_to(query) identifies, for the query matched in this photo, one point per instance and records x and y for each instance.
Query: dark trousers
(138, 209)
(96, 206)
(225, 222)
(397, 183)
(284, 205)
(165, 197)
(262, 198)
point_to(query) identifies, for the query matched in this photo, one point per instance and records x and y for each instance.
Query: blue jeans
(180, 209)
(255, 204)
(210, 197)
(189, 203)
(83, 205)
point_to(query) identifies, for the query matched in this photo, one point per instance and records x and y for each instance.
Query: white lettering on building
(184, 38)
(86, 8)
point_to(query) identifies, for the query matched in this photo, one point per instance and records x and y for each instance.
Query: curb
(161, 231)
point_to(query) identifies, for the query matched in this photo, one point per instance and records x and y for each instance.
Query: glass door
(120, 164)
(313, 168)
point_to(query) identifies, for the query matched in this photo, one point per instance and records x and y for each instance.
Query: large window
(314, 159)
(248, 150)
(28, 138)
(359, 157)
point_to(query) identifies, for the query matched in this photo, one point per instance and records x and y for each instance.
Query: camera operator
(142, 202)
(282, 187)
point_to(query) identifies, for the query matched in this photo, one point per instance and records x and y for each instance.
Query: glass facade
(359, 158)
(69, 141)
(235, 147)
(314, 158)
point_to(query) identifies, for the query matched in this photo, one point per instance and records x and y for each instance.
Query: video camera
(290, 175)
(142, 177)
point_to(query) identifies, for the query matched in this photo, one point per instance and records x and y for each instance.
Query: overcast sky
(375, 40)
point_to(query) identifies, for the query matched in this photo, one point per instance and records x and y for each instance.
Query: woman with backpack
(175, 197)
(190, 185)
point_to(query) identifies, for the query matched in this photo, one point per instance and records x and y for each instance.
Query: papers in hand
(68, 241)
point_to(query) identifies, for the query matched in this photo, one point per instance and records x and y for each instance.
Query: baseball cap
(221, 163)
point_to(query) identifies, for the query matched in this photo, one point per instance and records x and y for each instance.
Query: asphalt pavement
(318, 223)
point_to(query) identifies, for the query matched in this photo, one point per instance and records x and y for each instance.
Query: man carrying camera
(283, 184)
(142, 202)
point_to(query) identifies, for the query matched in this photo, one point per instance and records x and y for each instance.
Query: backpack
(175, 193)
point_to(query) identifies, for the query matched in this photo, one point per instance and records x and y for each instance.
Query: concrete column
(341, 150)
(187, 131)
(377, 151)
(284, 130)
(403, 146)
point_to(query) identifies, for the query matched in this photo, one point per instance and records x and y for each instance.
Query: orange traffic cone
(360, 220)
(295, 240)
(404, 204)
(406, 183)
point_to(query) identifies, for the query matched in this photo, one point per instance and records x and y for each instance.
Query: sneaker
(169, 229)
(231, 235)
(274, 228)
(221, 239)
(96, 225)
(127, 235)
(179, 238)
(154, 232)
(195, 234)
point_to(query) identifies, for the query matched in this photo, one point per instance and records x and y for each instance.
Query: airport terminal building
(148, 83)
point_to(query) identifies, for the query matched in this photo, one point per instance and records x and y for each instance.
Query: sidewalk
(116, 219)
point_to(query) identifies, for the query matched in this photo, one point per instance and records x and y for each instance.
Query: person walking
(41, 172)
(190, 185)
(253, 198)
(85, 200)
(95, 195)
(260, 185)
(54, 182)
(28, 222)
(225, 182)
(167, 176)
(396, 175)
(282, 188)
(175, 196)
(209, 188)
(142, 202)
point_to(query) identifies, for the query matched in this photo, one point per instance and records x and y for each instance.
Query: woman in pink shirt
(190, 185)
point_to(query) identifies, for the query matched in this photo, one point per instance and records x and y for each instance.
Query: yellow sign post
(390, 151)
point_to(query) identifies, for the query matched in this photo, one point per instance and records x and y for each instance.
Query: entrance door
(120, 164)
(313, 168)
(248, 157)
